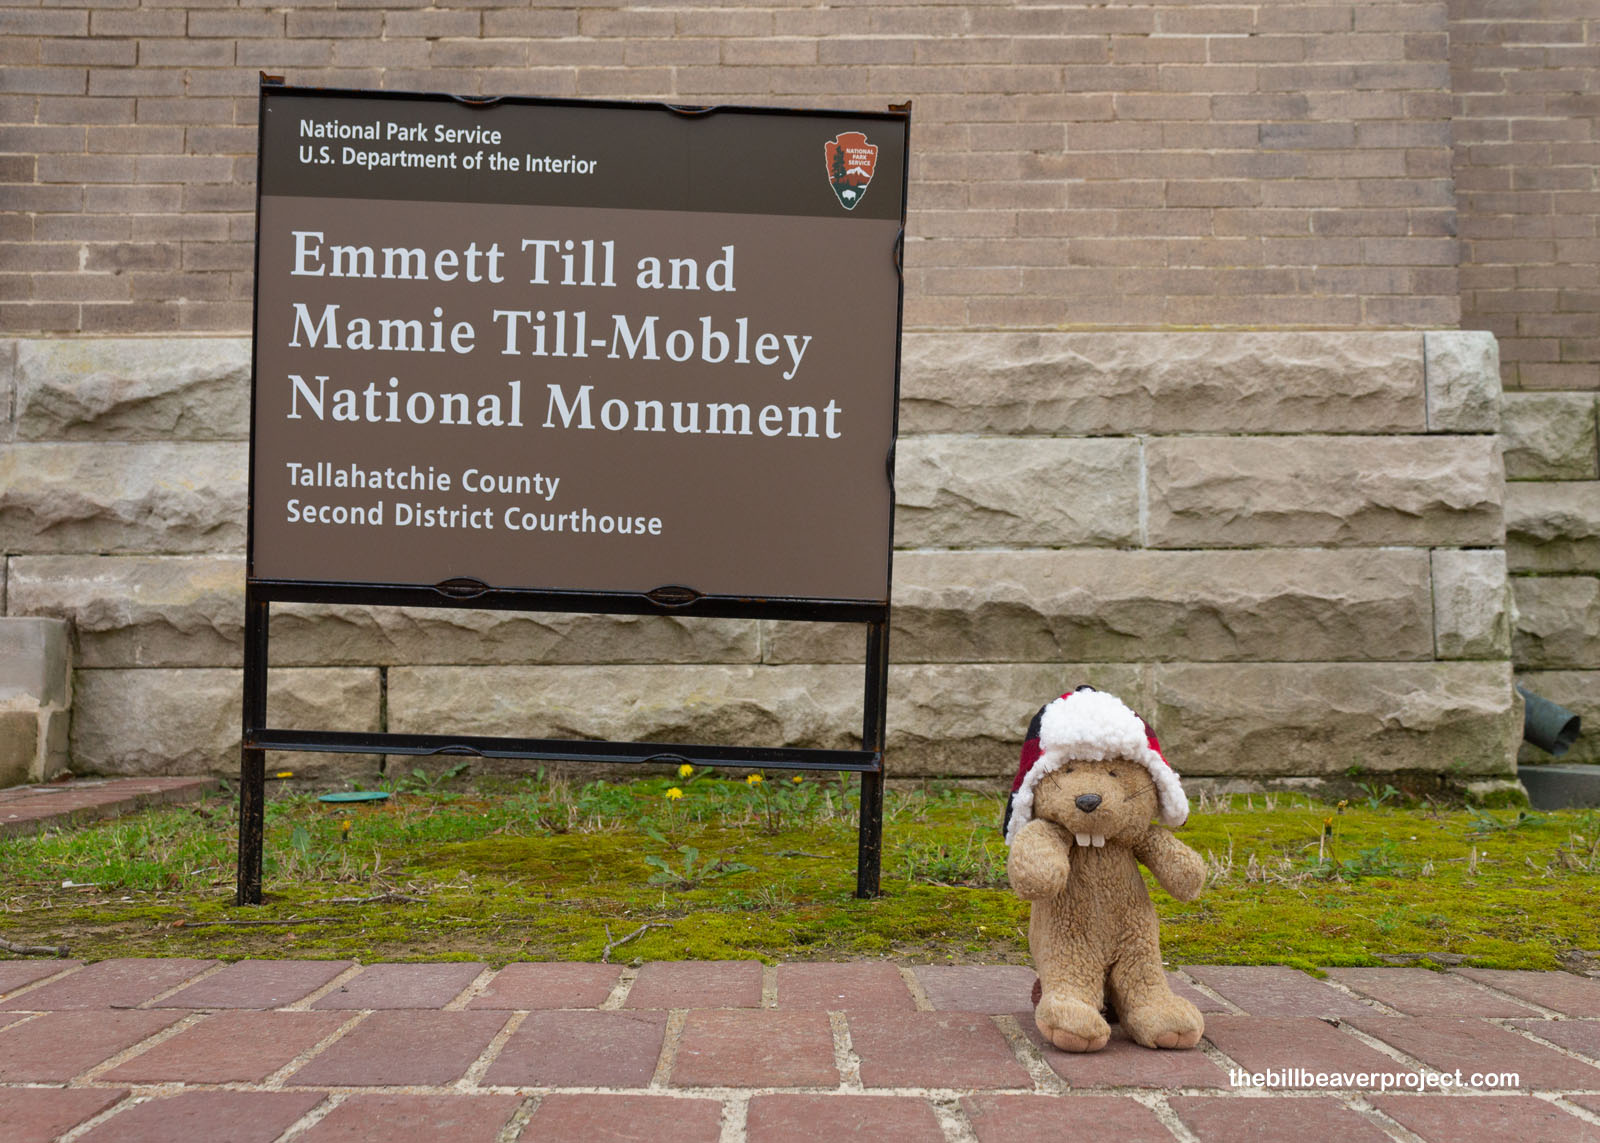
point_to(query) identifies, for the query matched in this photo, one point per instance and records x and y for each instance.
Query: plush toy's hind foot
(1070, 1024)
(1169, 1022)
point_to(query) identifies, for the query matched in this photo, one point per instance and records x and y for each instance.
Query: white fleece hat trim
(1093, 726)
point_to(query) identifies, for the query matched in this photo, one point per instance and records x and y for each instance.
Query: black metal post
(874, 722)
(252, 760)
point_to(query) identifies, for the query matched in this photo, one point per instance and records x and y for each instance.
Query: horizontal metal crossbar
(566, 750)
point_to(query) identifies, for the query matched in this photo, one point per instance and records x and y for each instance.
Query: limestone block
(1463, 377)
(1325, 718)
(1553, 526)
(188, 611)
(1558, 622)
(1579, 692)
(8, 388)
(1549, 436)
(1471, 604)
(965, 721)
(1106, 382)
(162, 721)
(158, 497)
(35, 698)
(134, 389)
(1290, 492)
(962, 492)
(1129, 606)
(36, 660)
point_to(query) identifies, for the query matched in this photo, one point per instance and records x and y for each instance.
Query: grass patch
(508, 869)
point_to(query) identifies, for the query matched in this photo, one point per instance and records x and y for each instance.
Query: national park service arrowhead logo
(851, 161)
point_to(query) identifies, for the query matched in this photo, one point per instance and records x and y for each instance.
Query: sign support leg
(252, 761)
(869, 843)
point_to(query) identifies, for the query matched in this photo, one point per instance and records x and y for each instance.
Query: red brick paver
(1559, 991)
(581, 1049)
(415, 1119)
(1280, 1044)
(1225, 1120)
(1581, 1036)
(623, 1119)
(1038, 1118)
(29, 809)
(15, 974)
(122, 983)
(258, 984)
(934, 1049)
(59, 1045)
(403, 1048)
(995, 988)
(236, 1116)
(837, 987)
(40, 1114)
(688, 984)
(402, 986)
(1272, 990)
(808, 1118)
(1447, 1044)
(735, 1048)
(1421, 992)
(230, 1047)
(547, 985)
(1122, 1063)
(1479, 1119)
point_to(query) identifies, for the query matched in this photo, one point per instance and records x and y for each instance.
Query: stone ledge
(30, 809)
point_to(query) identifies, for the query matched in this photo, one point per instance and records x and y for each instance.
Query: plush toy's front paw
(1171, 1022)
(1070, 1024)
(1039, 862)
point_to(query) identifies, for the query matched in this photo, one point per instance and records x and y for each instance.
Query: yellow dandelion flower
(753, 780)
(685, 770)
(798, 778)
(674, 794)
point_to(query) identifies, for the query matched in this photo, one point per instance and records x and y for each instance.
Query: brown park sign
(554, 346)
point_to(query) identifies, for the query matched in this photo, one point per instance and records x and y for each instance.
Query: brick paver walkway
(27, 809)
(171, 1051)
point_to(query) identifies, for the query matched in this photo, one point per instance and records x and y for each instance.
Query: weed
(691, 871)
(1376, 797)
(975, 862)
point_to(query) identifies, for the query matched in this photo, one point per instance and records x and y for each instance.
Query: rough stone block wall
(1294, 565)
(1527, 170)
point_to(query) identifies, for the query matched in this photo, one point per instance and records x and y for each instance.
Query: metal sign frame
(258, 736)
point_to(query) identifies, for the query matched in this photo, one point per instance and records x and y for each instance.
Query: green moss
(536, 870)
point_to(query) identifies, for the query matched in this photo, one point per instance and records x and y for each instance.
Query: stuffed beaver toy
(1078, 825)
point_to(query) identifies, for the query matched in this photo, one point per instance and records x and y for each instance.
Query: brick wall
(1076, 165)
(1527, 170)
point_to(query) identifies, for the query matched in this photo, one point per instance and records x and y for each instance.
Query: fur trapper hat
(1091, 726)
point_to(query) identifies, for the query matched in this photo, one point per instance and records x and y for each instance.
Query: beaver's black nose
(1086, 802)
